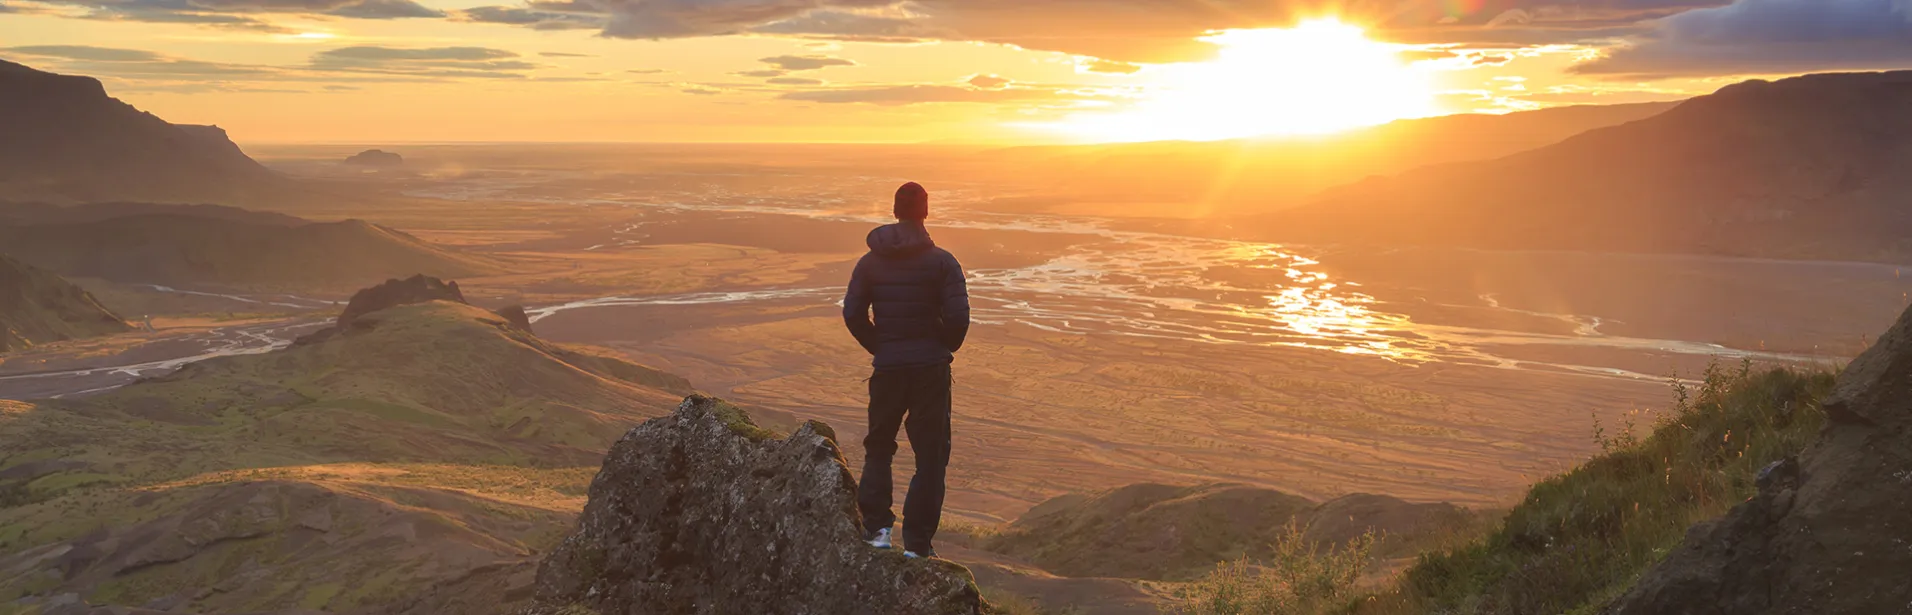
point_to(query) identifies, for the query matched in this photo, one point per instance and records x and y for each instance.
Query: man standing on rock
(921, 308)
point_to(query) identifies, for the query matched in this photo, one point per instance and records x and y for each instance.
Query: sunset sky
(918, 70)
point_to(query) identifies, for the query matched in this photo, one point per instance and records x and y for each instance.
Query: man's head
(912, 202)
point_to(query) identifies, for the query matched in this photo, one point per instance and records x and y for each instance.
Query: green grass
(1580, 539)
(1297, 578)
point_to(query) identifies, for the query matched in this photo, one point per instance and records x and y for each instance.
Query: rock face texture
(702, 512)
(393, 293)
(1830, 532)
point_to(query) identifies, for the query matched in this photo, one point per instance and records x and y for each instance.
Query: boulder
(514, 315)
(702, 512)
(393, 293)
(1829, 532)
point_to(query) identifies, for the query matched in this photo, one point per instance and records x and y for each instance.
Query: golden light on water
(1318, 77)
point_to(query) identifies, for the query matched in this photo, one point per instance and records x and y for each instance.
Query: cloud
(243, 14)
(701, 91)
(137, 63)
(793, 81)
(1098, 65)
(683, 18)
(646, 71)
(768, 72)
(849, 26)
(380, 54)
(562, 54)
(796, 63)
(1120, 31)
(912, 94)
(472, 62)
(988, 82)
(1768, 37)
(88, 53)
(537, 16)
(384, 9)
(347, 67)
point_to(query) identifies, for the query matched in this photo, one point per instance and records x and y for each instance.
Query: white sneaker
(882, 539)
(915, 555)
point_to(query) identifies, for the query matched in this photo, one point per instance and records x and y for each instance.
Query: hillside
(1164, 532)
(1242, 176)
(418, 444)
(37, 307)
(1812, 167)
(67, 140)
(1580, 539)
(221, 246)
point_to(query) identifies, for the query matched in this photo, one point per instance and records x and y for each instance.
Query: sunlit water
(1150, 285)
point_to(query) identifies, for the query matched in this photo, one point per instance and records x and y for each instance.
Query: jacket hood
(900, 239)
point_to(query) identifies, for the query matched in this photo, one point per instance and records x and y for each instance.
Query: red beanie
(912, 202)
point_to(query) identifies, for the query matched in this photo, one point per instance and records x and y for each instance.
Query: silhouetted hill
(182, 245)
(1265, 174)
(67, 140)
(1809, 167)
(38, 307)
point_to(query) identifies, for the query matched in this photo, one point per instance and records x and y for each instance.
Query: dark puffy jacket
(921, 303)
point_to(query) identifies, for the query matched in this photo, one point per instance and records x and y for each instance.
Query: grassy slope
(1580, 539)
(1170, 533)
(436, 440)
(38, 307)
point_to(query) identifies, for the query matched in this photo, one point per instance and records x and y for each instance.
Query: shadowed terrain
(37, 307)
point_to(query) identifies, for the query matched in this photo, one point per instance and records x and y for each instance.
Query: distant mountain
(175, 245)
(376, 158)
(416, 445)
(37, 307)
(1265, 174)
(66, 140)
(1815, 167)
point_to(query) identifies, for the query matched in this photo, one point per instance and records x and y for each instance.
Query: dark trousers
(917, 400)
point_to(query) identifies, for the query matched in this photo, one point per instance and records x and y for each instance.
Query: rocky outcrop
(376, 158)
(703, 512)
(393, 293)
(1829, 532)
(514, 315)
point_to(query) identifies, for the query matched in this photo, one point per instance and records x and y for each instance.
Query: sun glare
(1318, 77)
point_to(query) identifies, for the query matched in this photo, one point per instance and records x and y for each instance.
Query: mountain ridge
(68, 140)
(1809, 167)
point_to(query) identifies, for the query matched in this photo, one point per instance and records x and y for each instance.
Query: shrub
(1299, 578)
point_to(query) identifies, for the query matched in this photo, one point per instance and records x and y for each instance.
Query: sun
(1318, 77)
